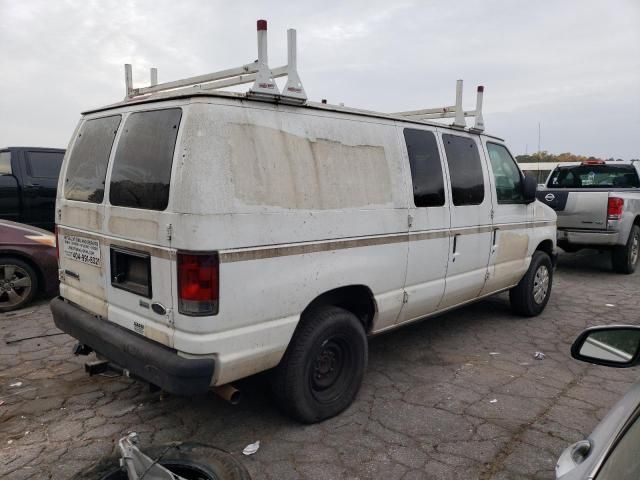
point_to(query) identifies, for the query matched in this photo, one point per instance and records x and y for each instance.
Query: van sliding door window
(143, 160)
(465, 170)
(87, 166)
(426, 170)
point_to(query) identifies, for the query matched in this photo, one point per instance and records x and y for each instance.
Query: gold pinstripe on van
(257, 253)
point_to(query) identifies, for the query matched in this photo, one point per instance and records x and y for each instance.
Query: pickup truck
(28, 184)
(598, 206)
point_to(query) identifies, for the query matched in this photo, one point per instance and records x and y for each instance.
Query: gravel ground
(456, 397)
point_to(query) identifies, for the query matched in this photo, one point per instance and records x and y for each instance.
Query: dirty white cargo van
(205, 236)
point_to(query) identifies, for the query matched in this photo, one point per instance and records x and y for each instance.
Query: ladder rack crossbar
(199, 79)
(427, 116)
(426, 111)
(454, 111)
(242, 79)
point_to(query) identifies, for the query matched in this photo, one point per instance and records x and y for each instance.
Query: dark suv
(28, 182)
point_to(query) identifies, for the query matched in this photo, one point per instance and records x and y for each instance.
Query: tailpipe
(229, 393)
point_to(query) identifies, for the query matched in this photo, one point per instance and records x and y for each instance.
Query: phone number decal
(82, 249)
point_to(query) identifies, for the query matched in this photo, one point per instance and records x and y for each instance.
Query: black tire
(322, 369)
(14, 271)
(624, 258)
(190, 460)
(530, 296)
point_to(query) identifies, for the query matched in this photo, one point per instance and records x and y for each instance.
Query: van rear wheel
(625, 257)
(531, 295)
(322, 369)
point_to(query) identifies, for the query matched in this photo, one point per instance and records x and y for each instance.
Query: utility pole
(539, 137)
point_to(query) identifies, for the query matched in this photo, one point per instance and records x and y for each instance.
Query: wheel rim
(635, 248)
(540, 284)
(15, 285)
(331, 369)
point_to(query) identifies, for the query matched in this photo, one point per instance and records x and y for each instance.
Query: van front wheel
(322, 369)
(531, 295)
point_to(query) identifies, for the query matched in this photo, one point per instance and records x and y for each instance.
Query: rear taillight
(198, 283)
(614, 208)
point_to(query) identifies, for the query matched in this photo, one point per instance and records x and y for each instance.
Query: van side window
(44, 164)
(5, 163)
(143, 160)
(465, 170)
(506, 173)
(426, 170)
(87, 165)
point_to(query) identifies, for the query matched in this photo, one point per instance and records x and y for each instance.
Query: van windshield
(143, 160)
(594, 176)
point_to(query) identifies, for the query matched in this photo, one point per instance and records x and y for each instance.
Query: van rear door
(80, 214)
(140, 282)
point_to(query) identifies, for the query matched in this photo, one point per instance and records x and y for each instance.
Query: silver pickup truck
(598, 206)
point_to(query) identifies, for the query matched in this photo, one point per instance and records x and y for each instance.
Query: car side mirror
(529, 189)
(612, 346)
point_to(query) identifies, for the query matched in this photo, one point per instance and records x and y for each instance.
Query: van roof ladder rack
(455, 111)
(258, 72)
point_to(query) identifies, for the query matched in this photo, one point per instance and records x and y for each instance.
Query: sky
(570, 66)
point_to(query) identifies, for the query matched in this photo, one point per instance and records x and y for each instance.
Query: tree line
(545, 156)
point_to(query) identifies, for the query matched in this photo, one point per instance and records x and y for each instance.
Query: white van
(205, 236)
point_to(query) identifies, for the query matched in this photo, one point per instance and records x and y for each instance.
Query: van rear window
(143, 160)
(87, 166)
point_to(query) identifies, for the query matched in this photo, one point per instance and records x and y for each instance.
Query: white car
(206, 236)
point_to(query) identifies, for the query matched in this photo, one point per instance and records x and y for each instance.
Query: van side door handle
(455, 252)
(494, 240)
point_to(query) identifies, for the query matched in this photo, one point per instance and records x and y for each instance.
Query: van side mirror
(529, 189)
(612, 346)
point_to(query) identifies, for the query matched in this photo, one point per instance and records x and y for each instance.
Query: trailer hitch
(138, 465)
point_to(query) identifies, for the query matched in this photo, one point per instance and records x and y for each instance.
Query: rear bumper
(588, 237)
(143, 358)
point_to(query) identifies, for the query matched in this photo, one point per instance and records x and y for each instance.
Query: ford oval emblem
(549, 197)
(158, 308)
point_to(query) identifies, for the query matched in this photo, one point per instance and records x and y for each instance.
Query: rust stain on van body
(275, 168)
(512, 246)
(143, 228)
(512, 253)
(81, 217)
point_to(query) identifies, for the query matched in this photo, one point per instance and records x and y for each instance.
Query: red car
(28, 264)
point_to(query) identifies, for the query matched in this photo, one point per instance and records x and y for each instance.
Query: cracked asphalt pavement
(460, 396)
